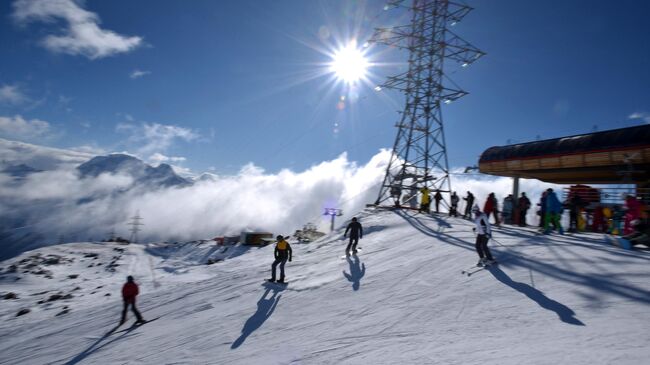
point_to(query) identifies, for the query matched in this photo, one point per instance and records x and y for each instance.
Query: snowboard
(267, 281)
(352, 254)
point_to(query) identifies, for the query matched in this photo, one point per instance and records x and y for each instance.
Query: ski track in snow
(551, 300)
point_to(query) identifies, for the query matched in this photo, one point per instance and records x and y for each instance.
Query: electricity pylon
(419, 156)
(135, 226)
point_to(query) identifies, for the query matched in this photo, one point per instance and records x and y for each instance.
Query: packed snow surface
(403, 300)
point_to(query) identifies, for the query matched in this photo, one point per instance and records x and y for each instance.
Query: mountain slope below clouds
(161, 176)
(553, 299)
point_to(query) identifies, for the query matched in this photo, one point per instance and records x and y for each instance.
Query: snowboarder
(129, 292)
(483, 235)
(438, 198)
(453, 211)
(553, 212)
(282, 253)
(425, 200)
(356, 232)
(469, 199)
(523, 205)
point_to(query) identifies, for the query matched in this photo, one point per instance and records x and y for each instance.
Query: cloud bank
(82, 36)
(59, 204)
(21, 128)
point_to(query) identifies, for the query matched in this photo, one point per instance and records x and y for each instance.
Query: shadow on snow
(357, 271)
(265, 308)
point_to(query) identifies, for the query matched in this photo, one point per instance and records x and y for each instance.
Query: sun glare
(349, 63)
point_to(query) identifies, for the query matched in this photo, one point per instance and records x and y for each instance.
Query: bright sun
(349, 64)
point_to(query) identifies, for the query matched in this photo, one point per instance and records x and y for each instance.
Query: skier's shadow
(565, 313)
(95, 346)
(357, 271)
(265, 308)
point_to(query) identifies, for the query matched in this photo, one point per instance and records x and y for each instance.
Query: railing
(591, 196)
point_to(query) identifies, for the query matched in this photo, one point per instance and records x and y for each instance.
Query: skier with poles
(356, 232)
(282, 253)
(483, 235)
(469, 203)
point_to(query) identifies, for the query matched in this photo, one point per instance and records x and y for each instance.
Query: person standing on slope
(437, 198)
(425, 200)
(129, 292)
(491, 207)
(469, 199)
(453, 211)
(356, 232)
(523, 204)
(553, 212)
(282, 253)
(483, 235)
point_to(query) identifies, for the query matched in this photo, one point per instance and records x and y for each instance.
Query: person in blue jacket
(553, 212)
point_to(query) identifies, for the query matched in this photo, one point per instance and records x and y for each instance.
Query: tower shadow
(265, 308)
(565, 313)
(357, 271)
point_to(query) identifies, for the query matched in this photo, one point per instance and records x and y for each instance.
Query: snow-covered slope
(552, 300)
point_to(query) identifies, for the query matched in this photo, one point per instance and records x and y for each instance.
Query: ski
(135, 325)
(472, 270)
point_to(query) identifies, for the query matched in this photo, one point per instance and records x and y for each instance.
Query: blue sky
(213, 85)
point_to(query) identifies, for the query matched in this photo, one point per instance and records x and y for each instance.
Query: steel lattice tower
(419, 156)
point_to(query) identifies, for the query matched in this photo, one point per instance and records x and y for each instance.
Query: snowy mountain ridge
(143, 174)
(552, 299)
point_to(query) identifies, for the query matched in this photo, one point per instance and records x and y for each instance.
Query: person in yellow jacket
(282, 253)
(426, 199)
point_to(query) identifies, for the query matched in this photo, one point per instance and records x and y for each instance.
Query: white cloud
(644, 116)
(40, 157)
(136, 74)
(82, 36)
(21, 128)
(252, 199)
(158, 158)
(151, 138)
(11, 94)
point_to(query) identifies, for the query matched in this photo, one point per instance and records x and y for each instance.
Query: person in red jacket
(129, 292)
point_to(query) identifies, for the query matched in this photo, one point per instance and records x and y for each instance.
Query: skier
(491, 207)
(633, 212)
(469, 203)
(282, 253)
(553, 212)
(542, 209)
(426, 200)
(574, 203)
(438, 198)
(356, 232)
(523, 205)
(453, 211)
(483, 235)
(129, 292)
(508, 208)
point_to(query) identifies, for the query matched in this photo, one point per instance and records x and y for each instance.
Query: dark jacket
(283, 250)
(356, 231)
